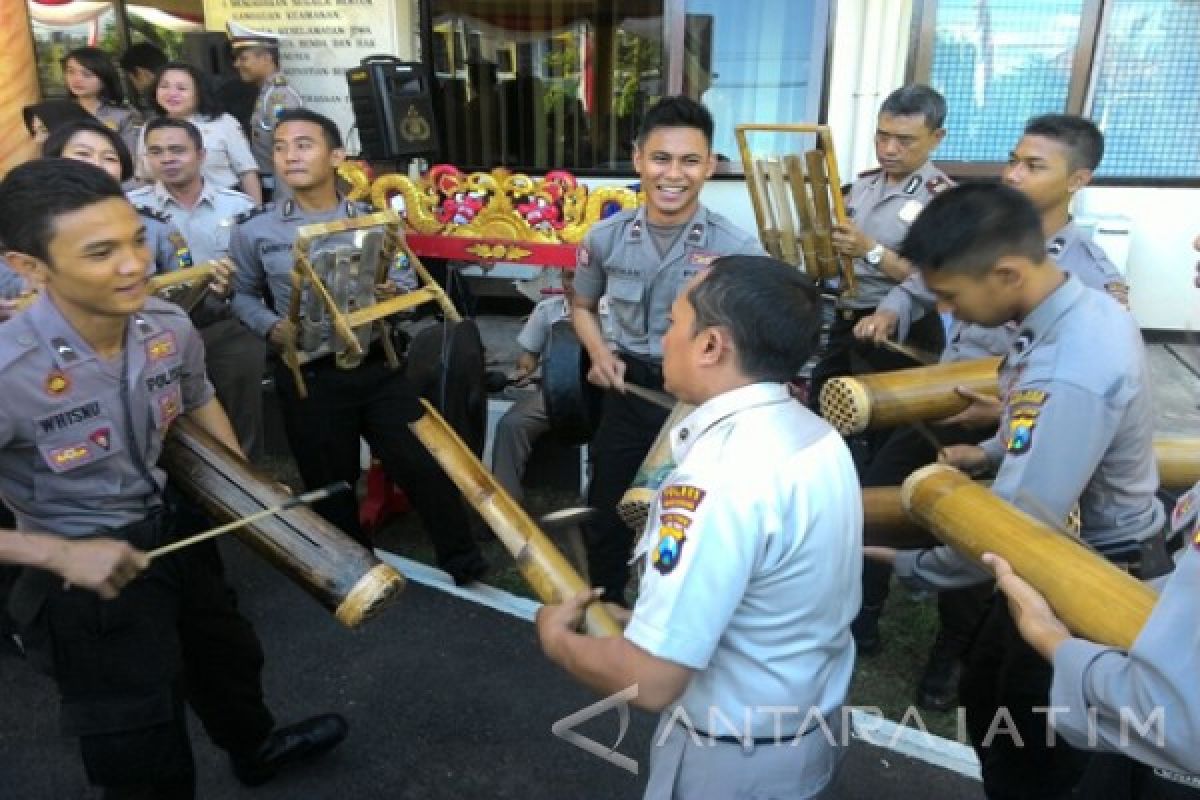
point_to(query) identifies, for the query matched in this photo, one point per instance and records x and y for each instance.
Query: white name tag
(909, 212)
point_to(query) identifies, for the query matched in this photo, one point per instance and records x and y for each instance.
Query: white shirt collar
(718, 408)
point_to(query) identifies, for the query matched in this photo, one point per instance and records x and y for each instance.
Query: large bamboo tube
(886, 523)
(18, 65)
(548, 572)
(1095, 599)
(1178, 463)
(887, 399)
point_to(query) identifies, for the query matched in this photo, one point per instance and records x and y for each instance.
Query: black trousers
(903, 452)
(628, 427)
(846, 355)
(125, 667)
(1111, 776)
(371, 401)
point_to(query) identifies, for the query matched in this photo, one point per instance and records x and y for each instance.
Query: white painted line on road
(869, 728)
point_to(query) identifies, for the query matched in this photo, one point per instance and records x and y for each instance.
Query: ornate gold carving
(498, 252)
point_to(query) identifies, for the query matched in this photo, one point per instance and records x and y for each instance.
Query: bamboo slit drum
(887, 399)
(1178, 463)
(543, 566)
(1095, 599)
(339, 572)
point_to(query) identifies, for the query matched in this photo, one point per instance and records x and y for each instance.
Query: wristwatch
(874, 255)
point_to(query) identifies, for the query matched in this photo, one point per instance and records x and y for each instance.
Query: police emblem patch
(57, 383)
(668, 550)
(169, 406)
(161, 346)
(1024, 408)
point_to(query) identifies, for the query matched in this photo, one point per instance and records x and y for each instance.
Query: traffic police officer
(256, 58)
(342, 405)
(740, 634)
(882, 204)
(641, 259)
(1076, 427)
(93, 375)
(1055, 157)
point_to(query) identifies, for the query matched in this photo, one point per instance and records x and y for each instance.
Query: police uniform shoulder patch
(251, 213)
(1024, 408)
(1186, 515)
(147, 211)
(937, 184)
(672, 535)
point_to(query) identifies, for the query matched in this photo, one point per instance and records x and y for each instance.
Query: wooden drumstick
(920, 356)
(660, 399)
(308, 497)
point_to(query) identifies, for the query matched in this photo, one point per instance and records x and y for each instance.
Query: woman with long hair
(180, 92)
(42, 119)
(92, 82)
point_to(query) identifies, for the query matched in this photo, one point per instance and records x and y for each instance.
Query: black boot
(938, 688)
(300, 742)
(865, 630)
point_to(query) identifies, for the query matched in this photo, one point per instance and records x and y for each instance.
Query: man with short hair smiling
(204, 214)
(749, 562)
(93, 374)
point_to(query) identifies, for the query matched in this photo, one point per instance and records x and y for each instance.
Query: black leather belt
(747, 741)
(1145, 560)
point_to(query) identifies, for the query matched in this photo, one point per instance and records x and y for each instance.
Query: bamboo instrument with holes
(546, 570)
(854, 404)
(1095, 599)
(1178, 463)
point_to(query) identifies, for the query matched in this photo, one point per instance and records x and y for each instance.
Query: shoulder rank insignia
(251, 213)
(869, 172)
(1055, 248)
(912, 185)
(147, 211)
(937, 184)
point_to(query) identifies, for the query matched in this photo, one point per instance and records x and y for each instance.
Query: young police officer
(92, 375)
(741, 633)
(323, 429)
(1053, 160)
(641, 259)
(1077, 427)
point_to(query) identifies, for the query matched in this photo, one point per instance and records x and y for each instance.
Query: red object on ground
(383, 500)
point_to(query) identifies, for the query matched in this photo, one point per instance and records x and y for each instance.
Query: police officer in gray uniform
(882, 204)
(93, 375)
(641, 259)
(1055, 157)
(370, 400)
(204, 213)
(256, 58)
(1077, 426)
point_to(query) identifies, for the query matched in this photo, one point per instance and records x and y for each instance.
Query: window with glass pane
(542, 85)
(1144, 93)
(999, 62)
(764, 65)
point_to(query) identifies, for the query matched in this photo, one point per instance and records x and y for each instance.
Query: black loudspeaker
(393, 109)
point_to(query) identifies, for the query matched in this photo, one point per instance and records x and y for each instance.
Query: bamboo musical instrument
(1178, 463)
(853, 404)
(546, 570)
(1095, 599)
(635, 504)
(805, 214)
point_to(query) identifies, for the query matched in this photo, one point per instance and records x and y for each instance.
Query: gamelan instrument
(797, 199)
(542, 565)
(340, 573)
(1178, 463)
(333, 306)
(853, 404)
(573, 404)
(184, 287)
(635, 504)
(1095, 599)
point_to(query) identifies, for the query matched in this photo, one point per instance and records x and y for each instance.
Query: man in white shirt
(741, 631)
(205, 214)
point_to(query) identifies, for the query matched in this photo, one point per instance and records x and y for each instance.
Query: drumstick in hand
(308, 497)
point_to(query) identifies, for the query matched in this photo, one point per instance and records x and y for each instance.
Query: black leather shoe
(467, 569)
(938, 688)
(300, 742)
(865, 629)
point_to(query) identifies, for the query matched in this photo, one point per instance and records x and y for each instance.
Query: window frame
(1079, 89)
(674, 17)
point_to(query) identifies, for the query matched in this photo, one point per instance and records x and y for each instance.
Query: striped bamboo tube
(18, 65)
(1178, 463)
